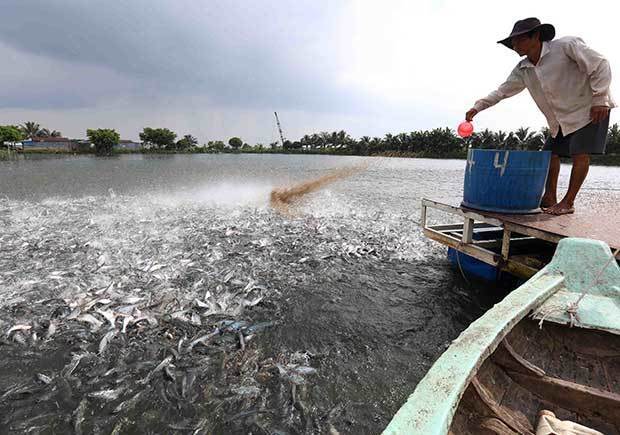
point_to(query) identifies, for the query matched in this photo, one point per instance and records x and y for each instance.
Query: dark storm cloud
(244, 54)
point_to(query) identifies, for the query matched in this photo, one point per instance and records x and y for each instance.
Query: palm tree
(44, 132)
(523, 137)
(31, 129)
(56, 133)
(484, 139)
(613, 140)
(499, 139)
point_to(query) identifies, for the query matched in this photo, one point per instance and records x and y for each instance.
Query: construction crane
(279, 129)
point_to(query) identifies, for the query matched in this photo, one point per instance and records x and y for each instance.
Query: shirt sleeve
(595, 66)
(512, 86)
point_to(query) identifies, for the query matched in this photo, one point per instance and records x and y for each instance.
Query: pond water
(151, 294)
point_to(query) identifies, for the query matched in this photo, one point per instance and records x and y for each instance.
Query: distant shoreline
(602, 160)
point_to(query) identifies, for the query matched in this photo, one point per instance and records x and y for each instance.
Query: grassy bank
(608, 160)
(7, 155)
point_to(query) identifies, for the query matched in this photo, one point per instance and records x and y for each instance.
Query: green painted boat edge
(429, 410)
(431, 407)
(600, 307)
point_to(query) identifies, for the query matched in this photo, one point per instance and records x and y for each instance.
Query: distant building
(128, 145)
(50, 143)
(64, 144)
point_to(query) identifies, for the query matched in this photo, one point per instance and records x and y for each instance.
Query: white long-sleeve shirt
(567, 81)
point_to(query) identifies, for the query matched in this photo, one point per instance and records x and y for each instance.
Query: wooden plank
(533, 232)
(481, 254)
(468, 231)
(506, 244)
(516, 422)
(508, 358)
(599, 223)
(519, 269)
(514, 242)
(461, 212)
(478, 226)
(496, 426)
(571, 396)
(515, 267)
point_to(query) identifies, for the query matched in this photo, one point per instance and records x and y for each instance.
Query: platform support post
(468, 230)
(506, 244)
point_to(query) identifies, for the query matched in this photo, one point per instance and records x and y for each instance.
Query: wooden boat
(510, 373)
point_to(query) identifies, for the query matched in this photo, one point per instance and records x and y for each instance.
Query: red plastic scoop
(465, 129)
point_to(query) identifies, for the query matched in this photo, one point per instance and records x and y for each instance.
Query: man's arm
(512, 86)
(596, 67)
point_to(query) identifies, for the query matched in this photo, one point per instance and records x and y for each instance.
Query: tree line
(438, 142)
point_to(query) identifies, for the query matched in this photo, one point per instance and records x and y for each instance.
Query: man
(569, 83)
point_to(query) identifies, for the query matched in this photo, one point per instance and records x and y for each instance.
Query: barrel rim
(466, 204)
(494, 150)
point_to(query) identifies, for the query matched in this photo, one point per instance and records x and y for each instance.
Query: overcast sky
(216, 69)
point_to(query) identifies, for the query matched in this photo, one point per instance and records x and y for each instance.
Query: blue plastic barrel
(505, 181)
(472, 267)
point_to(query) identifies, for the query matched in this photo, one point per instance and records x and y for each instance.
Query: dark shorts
(590, 139)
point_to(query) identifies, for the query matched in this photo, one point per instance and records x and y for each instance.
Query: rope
(458, 261)
(572, 308)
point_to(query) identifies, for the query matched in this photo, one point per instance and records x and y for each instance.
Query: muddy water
(163, 295)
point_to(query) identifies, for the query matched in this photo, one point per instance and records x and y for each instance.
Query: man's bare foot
(560, 208)
(548, 201)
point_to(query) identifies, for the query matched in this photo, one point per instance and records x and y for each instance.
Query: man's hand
(598, 113)
(471, 113)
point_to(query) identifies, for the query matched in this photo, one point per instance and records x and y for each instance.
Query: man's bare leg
(581, 164)
(550, 197)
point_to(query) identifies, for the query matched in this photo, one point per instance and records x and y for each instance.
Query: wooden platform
(519, 244)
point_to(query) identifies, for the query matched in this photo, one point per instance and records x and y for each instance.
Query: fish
(107, 395)
(152, 321)
(169, 373)
(74, 314)
(131, 300)
(19, 328)
(109, 316)
(127, 404)
(187, 383)
(305, 370)
(90, 319)
(203, 338)
(51, 330)
(228, 276)
(118, 427)
(18, 389)
(100, 301)
(19, 338)
(69, 368)
(241, 341)
(103, 344)
(166, 362)
(127, 320)
(78, 417)
(44, 378)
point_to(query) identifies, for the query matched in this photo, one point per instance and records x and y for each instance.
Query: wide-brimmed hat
(521, 27)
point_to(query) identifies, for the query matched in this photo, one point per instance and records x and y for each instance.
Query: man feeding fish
(569, 83)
